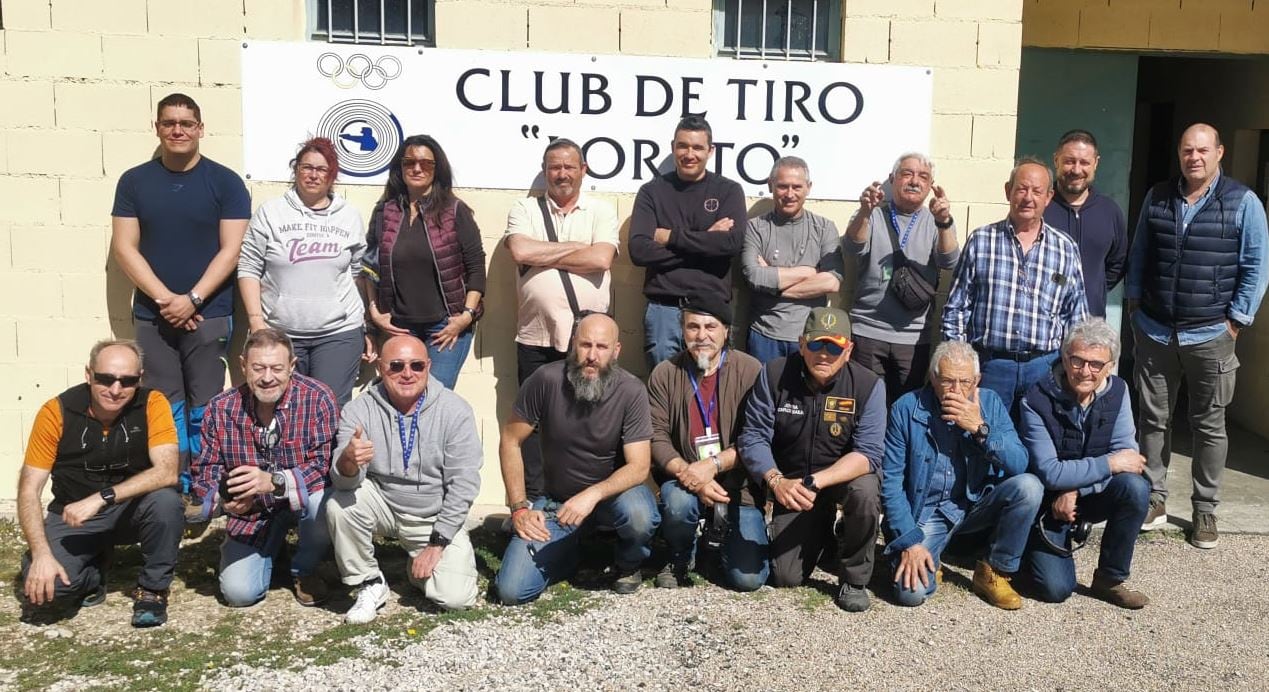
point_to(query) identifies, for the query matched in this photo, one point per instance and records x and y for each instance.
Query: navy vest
(90, 460)
(813, 429)
(1189, 282)
(1059, 410)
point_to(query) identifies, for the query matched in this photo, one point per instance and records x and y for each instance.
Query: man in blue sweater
(1094, 221)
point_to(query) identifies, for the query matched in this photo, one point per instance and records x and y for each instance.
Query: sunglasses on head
(832, 347)
(398, 366)
(105, 379)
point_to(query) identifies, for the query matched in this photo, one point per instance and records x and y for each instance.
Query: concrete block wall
(79, 79)
(1226, 26)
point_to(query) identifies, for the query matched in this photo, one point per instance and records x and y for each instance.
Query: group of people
(1012, 433)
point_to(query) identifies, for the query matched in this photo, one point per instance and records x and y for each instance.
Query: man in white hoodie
(406, 465)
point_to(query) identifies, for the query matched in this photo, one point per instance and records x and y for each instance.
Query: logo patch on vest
(835, 429)
(711, 205)
(839, 404)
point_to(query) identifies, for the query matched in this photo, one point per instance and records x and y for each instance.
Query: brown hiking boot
(310, 590)
(1115, 593)
(994, 587)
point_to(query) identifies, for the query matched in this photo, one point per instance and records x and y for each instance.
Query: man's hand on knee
(41, 579)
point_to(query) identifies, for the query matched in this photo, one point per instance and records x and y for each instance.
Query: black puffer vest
(1059, 411)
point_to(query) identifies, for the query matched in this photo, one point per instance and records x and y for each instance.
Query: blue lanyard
(707, 416)
(407, 447)
(894, 217)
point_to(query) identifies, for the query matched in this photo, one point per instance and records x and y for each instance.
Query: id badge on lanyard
(710, 443)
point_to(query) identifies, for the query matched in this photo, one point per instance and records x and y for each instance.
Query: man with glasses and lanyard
(406, 465)
(266, 450)
(110, 447)
(814, 434)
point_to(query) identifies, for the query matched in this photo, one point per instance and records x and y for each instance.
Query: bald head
(1199, 152)
(1204, 130)
(405, 346)
(599, 325)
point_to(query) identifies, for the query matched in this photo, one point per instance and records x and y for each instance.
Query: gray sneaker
(628, 581)
(1157, 517)
(1203, 534)
(852, 599)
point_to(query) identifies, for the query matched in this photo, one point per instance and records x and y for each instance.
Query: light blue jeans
(246, 571)
(662, 333)
(1010, 379)
(744, 554)
(528, 567)
(447, 363)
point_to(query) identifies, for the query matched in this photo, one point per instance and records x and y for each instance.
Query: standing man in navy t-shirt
(177, 226)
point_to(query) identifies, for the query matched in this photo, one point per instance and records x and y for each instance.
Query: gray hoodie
(305, 262)
(444, 474)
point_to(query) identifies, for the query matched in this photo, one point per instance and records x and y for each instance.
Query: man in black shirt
(686, 227)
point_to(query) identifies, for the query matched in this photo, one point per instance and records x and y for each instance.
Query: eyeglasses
(396, 367)
(425, 164)
(831, 347)
(105, 379)
(306, 169)
(184, 124)
(948, 383)
(1094, 366)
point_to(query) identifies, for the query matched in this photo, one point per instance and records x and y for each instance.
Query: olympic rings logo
(345, 73)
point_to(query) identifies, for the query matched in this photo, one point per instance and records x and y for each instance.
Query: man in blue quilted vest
(1077, 428)
(1196, 275)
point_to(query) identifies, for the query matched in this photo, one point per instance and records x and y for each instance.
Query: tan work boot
(994, 587)
(311, 590)
(1114, 592)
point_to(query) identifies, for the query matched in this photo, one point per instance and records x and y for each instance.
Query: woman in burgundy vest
(423, 272)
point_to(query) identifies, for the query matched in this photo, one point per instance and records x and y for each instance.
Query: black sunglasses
(820, 345)
(105, 379)
(398, 366)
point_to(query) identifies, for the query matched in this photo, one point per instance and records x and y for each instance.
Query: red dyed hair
(322, 146)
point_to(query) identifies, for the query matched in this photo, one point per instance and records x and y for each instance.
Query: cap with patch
(706, 304)
(827, 323)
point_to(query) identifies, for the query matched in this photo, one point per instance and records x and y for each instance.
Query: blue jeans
(1008, 511)
(744, 555)
(662, 333)
(246, 571)
(1010, 379)
(766, 349)
(445, 364)
(333, 360)
(1123, 505)
(528, 567)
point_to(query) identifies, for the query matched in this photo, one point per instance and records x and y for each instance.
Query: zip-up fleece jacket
(1099, 229)
(443, 475)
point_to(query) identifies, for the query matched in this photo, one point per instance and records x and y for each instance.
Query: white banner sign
(494, 113)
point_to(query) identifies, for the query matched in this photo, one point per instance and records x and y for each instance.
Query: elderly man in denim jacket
(954, 465)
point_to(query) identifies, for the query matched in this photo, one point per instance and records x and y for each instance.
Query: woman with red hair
(296, 272)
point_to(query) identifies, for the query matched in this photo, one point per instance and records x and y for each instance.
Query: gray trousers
(1209, 370)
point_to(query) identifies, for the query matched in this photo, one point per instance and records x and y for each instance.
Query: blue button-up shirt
(946, 492)
(1253, 268)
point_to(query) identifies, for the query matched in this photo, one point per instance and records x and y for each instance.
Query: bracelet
(514, 512)
(771, 480)
(718, 464)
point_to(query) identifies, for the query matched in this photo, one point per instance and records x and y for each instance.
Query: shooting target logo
(347, 72)
(366, 133)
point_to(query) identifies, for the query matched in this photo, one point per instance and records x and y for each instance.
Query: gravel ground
(1204, 629)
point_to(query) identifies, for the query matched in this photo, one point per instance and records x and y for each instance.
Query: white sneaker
(370, 599)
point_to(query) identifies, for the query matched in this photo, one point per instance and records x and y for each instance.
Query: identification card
(707, 445)
(887, 270)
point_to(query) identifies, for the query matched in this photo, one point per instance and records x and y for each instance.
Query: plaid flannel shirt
(307, 418)
(1003, 301)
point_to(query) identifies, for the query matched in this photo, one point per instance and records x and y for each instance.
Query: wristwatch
(517, 506)
(108, 496)
(438, 540)
(980, 435)
(196, 299)
(944, 226)
(808, 482)
(279, 484)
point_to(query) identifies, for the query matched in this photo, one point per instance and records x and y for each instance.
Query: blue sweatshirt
(1099, 229)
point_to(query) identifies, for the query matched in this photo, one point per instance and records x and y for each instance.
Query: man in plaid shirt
(264, 461)
(1018, 288)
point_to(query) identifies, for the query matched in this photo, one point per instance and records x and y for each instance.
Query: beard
(703, 361)
(586, 389)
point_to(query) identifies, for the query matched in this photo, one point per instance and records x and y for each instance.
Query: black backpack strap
(568, 280)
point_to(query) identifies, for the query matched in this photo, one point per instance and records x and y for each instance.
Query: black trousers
(528, 360)
(901, 366)
(798, 539)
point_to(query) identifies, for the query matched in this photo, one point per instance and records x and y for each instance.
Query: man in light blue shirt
(1196, 275)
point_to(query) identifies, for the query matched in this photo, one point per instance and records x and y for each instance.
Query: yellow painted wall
(78, 80)
(1210, 26)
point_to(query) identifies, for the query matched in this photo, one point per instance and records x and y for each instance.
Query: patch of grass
(810, 598)
(560, 601)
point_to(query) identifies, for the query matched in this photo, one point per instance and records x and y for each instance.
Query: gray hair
(1029, 161)
(110, 343)
(920, 157)
(269, 336)
(1093, 332)
(953, 352)
(794, 162)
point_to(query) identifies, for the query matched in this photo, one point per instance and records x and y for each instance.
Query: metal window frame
(413, 36)
(830, 52)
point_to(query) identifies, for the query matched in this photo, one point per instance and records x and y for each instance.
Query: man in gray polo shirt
(889, 315)
(793, 260)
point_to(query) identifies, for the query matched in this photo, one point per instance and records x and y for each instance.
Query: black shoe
(853, 599)
(628, 581)
(150, 608)
(95, 597)
(672, 576)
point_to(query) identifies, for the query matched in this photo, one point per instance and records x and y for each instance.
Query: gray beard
(703, 362)
(585, 389)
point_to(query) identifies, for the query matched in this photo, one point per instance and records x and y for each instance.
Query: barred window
(383, 22)
(778, 29)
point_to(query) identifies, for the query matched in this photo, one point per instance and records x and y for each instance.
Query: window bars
(383, 22)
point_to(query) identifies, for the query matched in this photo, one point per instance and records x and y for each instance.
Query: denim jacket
(912, 449)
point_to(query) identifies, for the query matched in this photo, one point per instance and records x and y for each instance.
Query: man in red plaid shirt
(266, 452)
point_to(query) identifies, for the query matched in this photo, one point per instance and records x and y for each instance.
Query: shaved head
(408, 343)
(1202, 128)
(599, 324)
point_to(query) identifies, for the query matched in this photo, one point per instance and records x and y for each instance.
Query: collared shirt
(1006, 301)
(306, 417)
(946, 491)
(544, 315)
(1253, 263)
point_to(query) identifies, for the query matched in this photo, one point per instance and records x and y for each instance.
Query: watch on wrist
(808, 482)
(196, 299)
(438, 540)
(982, 432)
(108, 496)
(470, 312)
(944, 226)
(517, 506)
(279, 483)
